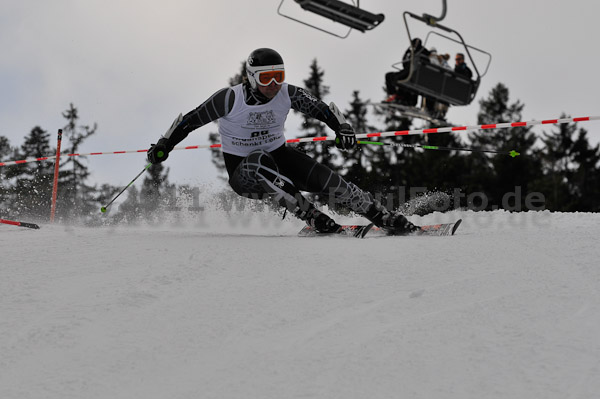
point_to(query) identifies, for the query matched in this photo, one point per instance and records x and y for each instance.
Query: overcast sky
(133, 65)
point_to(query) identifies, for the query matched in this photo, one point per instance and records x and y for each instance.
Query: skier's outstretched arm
(217, 106)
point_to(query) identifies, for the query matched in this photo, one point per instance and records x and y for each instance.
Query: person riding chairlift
(461, 66)
(396, 94)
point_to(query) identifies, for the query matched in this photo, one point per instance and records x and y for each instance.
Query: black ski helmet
(262, 59)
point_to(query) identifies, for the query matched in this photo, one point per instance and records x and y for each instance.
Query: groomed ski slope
(507, 308)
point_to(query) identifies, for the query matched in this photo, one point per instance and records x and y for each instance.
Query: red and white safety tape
(358, 136)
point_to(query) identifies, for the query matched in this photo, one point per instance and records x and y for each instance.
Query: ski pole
(20, 224)
(103, 209)
(512, 153)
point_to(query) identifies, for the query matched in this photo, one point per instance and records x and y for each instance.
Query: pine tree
(391, 176)
(156, 191)
(584, 176)
(357, 163)
(5, 148)
(239, 77)
(438, 170)
(571, 180)
(217, 155)
(5, 187)
(556, 163)
(106, 193)
(33, 185)
(323, 153)
(498, 176)
(130, 209)
(585, 179)
(75, 196)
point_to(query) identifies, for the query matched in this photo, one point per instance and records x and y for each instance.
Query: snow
(509, 307)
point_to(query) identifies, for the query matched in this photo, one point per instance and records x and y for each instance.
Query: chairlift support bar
(431, 20)
(338, 11)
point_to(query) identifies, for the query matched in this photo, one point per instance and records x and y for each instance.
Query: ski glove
(159, 152)
(345, 137)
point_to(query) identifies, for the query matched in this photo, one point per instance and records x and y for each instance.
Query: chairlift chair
(435, 81)
(344, 13)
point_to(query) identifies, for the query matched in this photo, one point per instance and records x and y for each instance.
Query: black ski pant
(284, 172)
(405, 97)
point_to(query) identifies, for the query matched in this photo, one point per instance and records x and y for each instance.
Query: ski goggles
(264, 78)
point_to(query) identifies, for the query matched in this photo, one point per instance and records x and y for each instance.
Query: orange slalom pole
(55, 185)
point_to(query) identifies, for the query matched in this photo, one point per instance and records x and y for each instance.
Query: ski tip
(456, 224)
(29, 225)
(365, 230)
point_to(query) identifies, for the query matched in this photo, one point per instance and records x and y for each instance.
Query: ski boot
(393, 223)
(319, 221)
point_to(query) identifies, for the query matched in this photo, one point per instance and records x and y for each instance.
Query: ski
(441, 229)
(20, 224)
(356, 231)
(362, 231)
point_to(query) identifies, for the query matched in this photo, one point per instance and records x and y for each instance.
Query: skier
(251, 123)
